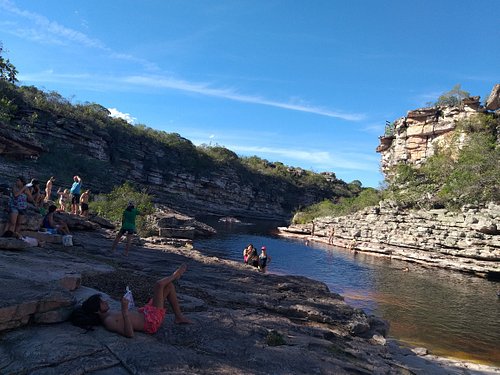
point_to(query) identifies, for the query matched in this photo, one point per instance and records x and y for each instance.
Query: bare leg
(12, 222)
(127, 246)
(115, 242)
(164, 289)
(18, 223)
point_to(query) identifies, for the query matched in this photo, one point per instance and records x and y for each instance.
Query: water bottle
(129, 297)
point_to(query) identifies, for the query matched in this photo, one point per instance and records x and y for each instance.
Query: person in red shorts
(146, 319)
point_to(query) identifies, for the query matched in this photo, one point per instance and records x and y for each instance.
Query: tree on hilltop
(453, 97)
(8, 71)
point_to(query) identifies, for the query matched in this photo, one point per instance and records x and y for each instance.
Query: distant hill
(42, 134)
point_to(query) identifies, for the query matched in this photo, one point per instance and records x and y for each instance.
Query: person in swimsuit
(84, 203)
(146, 319)
(18, 205)
(63, 199)
(264, 259)
(48, 188)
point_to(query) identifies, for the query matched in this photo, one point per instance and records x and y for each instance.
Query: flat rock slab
(24, 301)
(12, 244)
(45, 237)
(35, 286)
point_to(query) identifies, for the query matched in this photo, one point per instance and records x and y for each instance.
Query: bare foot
(181, 319)
(180, 271)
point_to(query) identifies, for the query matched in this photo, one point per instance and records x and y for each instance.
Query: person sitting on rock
(50, 223)
(37, 195)
(128, 227)
(146, 319)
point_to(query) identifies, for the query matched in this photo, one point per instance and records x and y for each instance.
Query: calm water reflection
(449, 313)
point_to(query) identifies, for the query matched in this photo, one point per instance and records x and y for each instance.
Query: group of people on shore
(23, 193)
(95, 310)
(251, 257)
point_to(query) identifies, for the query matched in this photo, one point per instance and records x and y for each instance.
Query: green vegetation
(453, 97)
(466, 170)
(112, 205)
(8, 72)
(124, 146)
(274, 338)
(345, 206)
(454, 175)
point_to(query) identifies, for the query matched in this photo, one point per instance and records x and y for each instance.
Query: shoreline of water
(379, 273)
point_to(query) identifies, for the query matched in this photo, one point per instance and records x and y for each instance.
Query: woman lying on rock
(146, 319)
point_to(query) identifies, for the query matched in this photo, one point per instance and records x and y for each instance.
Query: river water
(449, 313)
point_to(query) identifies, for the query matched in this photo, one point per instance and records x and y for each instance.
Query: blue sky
(307, 83)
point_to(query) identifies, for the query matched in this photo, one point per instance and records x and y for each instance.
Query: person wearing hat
(264, 259)
(128, 227)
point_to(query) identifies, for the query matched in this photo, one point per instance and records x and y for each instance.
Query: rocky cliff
(466, 241)
(37, 142)
(415, 137)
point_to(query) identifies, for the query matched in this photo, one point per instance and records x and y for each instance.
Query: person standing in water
(264, 259)
(128, 227)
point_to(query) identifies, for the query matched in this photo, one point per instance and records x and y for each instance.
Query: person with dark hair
(264, 259)
(18, 204)
(145, 319)
(53, 225)
(128, 227)
(75, 194)
(37, 195)
(84, 203)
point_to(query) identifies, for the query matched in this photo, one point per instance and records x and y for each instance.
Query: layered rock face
(420, 132)
(108, 156)
(466, 241)
(417, 135)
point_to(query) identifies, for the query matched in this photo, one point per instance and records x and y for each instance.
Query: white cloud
(320, 159)
(43, 30)
(206, 89)
(125, 116)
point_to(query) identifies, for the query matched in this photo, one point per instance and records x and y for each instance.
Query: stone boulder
(173, 224)
(75, 222)
(493, 101)
(26, 301)
(13, 244)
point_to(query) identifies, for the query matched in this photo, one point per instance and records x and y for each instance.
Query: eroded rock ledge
(467, 241)
(245, 322)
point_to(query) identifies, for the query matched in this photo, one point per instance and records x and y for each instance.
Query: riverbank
(245, 322)
(466, 241)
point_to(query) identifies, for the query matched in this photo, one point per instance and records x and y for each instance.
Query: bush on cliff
(345, 206)
(112, 205)
(456, 174)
